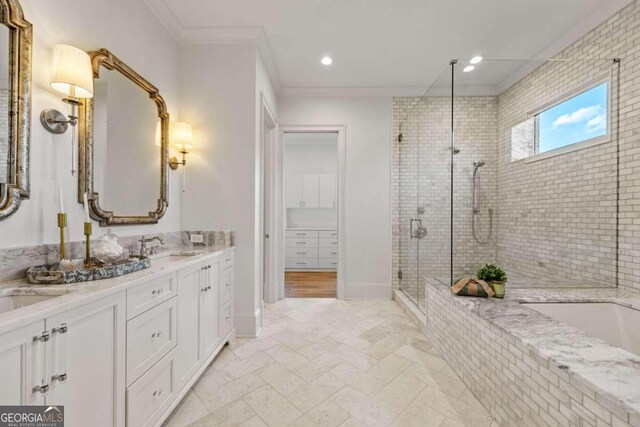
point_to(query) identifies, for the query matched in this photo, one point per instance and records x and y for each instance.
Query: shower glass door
(424, 190)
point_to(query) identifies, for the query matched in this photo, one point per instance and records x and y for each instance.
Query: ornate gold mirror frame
(20, 41)
(104, 58)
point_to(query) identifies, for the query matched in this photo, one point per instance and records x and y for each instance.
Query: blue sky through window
(577, 119)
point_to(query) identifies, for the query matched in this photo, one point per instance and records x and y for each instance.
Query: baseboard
(367, 291)
(248, 325)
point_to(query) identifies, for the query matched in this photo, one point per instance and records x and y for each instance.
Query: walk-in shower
(477, 211)
(545, 216)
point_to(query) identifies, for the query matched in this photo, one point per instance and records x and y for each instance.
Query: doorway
(311, 214)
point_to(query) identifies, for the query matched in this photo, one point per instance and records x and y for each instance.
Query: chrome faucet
(144, 253)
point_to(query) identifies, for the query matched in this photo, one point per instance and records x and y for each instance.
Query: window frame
(576, 91)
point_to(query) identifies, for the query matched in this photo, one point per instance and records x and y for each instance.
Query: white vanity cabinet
(127, 358)
(22, 365)
(75, 358)
(86, 363)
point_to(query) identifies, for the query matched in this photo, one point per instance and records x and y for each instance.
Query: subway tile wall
(558, 220)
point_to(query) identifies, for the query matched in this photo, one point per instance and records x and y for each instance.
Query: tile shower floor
(324, 362)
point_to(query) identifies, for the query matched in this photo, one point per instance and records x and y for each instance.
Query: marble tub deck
(611, 372)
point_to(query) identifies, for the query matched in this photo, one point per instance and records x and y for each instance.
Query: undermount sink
(183, 254)
(12, 302)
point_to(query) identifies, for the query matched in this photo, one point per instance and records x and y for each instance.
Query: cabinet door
(87, 349)
(293, 191)
(187, 353)
(310, 191)
(22, 365)
(209, 307)
(327, 191)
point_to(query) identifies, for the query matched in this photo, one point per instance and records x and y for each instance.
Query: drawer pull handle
(157, 394)
(301, 263)
(301, 253)
(301, 234)
(208, 287)
(156, 334)
(301, 243)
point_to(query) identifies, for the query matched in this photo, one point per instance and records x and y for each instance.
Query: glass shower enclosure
(472, 184)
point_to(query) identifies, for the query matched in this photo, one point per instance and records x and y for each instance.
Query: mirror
(123, 145)
(15, 106)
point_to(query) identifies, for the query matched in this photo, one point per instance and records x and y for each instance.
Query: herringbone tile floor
(324, 362)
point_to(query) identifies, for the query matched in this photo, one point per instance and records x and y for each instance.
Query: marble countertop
(76, 294)
(610, 371)
(311, 228)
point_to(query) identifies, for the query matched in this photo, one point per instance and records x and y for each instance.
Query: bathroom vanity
(121, 351)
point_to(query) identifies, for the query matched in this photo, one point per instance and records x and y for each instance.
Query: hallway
(325, 362)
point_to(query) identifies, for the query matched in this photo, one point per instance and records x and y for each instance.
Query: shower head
(478, 163)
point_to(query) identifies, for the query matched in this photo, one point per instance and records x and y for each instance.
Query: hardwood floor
(310, 284)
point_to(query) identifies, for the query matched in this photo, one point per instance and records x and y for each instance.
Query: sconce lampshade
(71, 72)
(181, 136)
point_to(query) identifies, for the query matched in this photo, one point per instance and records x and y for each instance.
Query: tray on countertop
(48, 275)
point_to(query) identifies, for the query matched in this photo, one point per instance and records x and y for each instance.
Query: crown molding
(217, 35)
(338, 92)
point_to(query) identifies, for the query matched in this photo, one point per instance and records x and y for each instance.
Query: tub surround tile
(552, 370)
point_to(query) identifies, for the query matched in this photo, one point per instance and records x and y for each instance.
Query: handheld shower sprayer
(477, 192)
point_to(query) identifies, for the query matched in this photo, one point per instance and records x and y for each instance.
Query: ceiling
(391, 46)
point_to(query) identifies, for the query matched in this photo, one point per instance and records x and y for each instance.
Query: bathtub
(614, 323)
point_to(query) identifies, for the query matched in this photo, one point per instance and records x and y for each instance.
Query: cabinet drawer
(147, 295)
(328, 233)
(292, 263)
(151, 395)
(149, 337)
(226, 285)
(328, 263)
(226, 261)
(300, 233)
(301, 242)
(328, 252)
(226, 318)
(326, 242)
(301, 252)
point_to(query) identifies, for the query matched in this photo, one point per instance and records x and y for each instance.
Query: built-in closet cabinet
(311, 191)
(327, 191)
(75, 359)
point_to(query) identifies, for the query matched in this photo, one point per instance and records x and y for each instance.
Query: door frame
(341, 206)
(269, 206)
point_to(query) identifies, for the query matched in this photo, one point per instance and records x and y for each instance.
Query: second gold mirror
(123, 145)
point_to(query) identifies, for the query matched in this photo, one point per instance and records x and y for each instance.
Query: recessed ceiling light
(468, 68)
(476, 60)
(326, 60)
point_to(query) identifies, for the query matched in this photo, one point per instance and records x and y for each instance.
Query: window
(575, 121)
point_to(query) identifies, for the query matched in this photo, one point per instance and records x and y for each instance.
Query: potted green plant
(495, 277)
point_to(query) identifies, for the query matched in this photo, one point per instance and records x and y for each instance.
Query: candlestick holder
(62, 223)
(89, 261)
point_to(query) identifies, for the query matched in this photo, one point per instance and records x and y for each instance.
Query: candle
(60, 200)
(87, 218)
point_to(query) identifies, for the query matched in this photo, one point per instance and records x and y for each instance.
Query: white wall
(368, 191)
(91, 24)
(220, 89)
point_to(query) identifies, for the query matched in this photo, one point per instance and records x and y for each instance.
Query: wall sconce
(71, 75)
(181, 137)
